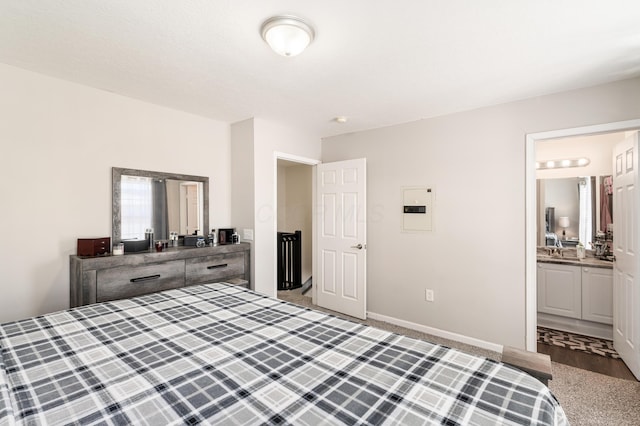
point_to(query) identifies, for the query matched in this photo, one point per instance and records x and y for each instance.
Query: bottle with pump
(148, 235)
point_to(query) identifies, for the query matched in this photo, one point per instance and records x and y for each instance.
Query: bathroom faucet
(555, 251)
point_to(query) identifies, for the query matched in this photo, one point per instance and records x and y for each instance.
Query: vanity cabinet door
(560, 290)
(597, 295)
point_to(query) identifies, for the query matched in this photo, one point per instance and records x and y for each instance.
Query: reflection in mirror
(575, 209)
(165, 202)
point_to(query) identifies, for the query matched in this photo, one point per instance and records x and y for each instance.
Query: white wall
(242, 182)
(58, 143)
(271, 138)
(475, 257)
(282, 198)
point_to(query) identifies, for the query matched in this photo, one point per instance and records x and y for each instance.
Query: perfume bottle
(148, 235)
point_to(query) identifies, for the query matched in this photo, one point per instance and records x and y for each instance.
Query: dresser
(104, 278)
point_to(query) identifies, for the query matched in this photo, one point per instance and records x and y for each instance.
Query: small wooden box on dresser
(104, 278)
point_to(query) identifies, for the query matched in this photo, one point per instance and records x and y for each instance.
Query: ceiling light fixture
(287, 35)
(341, 119)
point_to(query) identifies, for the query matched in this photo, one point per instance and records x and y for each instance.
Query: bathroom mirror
(573, 209)
(166, 202)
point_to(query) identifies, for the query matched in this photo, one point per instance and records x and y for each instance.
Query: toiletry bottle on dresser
(148, 235)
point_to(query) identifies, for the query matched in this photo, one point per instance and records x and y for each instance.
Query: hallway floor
(584, 352)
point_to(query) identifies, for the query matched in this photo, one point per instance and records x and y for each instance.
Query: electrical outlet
(428, 295)
(247, 234)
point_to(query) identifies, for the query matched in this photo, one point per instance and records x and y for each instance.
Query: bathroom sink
(545, 258)
(569, 258)
(557, 258)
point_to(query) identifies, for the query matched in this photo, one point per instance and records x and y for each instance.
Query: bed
(220, 354)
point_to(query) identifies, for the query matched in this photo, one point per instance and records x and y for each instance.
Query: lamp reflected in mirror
(564, 223)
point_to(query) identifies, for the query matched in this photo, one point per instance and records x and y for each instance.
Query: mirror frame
(116, 182)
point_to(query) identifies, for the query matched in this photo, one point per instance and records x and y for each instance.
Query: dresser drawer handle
(223, 265)
(141, 279)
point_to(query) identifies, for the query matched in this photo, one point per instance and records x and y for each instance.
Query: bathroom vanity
(576, 295)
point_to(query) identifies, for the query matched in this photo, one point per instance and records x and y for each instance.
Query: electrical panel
(417, 208)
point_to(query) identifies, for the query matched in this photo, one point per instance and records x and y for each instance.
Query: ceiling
(377, 62)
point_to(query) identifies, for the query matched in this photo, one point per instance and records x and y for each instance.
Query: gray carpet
(587, 398)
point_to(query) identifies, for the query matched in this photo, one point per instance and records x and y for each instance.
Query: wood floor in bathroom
(599, 364)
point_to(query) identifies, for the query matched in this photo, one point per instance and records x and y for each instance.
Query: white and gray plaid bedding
(219, 354)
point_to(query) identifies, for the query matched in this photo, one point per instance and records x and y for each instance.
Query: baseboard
(437, 332)
(306, 286)
(571, 325)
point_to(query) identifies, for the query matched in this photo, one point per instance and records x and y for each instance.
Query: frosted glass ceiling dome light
(287, 35)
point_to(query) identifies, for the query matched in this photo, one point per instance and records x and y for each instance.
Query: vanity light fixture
(287, 35)
(562, 163)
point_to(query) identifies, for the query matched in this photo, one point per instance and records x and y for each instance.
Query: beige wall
(58, 143)
(295, 208)
(598, 149)
(475, 257)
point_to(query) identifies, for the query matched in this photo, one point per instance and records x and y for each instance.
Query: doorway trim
(302, 161)
(531, 315)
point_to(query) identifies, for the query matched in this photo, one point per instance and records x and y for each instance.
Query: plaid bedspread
(219, 354)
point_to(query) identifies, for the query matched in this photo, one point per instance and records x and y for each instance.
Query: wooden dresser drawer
(209, 269)
(102, 278)
(128, 281)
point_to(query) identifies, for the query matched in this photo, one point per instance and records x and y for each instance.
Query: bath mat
(577, 342)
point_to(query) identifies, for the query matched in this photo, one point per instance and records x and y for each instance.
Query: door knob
(359, 247)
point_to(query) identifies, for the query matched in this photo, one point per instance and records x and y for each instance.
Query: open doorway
(294, 214)
(538, 222)
(575, 294)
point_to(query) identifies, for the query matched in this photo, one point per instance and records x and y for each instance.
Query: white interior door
(342, 237)
(626, 294)
(189, 212)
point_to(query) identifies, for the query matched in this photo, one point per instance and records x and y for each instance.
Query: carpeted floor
(577, 342)
(587, 398)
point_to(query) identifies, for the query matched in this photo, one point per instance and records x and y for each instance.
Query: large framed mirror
(166, 202)
(574, 209)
